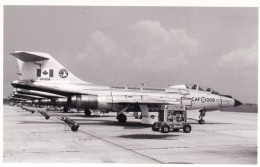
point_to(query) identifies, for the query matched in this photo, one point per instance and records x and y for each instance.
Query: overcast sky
(158, 46)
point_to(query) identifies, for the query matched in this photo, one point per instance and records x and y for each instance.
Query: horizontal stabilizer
(30, 56)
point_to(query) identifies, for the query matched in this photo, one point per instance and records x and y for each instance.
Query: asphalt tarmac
(226, 138)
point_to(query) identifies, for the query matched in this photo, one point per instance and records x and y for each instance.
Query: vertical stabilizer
(38, 66)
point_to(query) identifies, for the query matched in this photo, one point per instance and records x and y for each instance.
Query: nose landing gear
(202, 114)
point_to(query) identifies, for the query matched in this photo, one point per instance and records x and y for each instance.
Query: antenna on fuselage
(141, 85)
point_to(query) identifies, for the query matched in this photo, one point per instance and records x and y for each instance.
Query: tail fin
(38, 66)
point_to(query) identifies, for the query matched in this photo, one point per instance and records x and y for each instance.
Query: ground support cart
(172, 118)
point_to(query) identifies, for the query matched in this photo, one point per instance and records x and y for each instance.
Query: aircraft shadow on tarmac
(210, 123)
(127, 125)
(150, 136)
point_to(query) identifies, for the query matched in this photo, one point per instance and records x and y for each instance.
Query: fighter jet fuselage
(112, 98)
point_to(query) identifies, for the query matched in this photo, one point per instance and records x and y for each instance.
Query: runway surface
(226, 138)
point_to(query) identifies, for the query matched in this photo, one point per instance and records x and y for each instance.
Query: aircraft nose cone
(237, 103)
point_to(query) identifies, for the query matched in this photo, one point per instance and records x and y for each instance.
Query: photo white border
(161, 3)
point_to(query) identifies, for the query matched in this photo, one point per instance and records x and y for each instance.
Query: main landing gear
(202, 114)
(121, 118)
(65, 109)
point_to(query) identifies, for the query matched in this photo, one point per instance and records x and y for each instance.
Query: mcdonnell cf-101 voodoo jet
(41, 72)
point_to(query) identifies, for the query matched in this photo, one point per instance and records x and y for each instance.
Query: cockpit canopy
(201, 88)
(196, 87)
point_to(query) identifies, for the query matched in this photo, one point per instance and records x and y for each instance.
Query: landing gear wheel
(87, 112)
(74, 128)
(155, 127)
(186, 128)
(121, 118)
(201, 121)
(65, 109)
(165, 128)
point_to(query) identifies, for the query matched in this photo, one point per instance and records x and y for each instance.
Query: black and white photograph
(130, 84)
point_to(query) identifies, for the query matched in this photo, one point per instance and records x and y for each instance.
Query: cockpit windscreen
(201, 88)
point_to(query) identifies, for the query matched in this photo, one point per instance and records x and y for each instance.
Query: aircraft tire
(186, 128)
(141, 116)
(121, 118)
(201, 122)
(165, 128)
(87, 112)
(65, 109)
(155, 127)
(74, 128)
